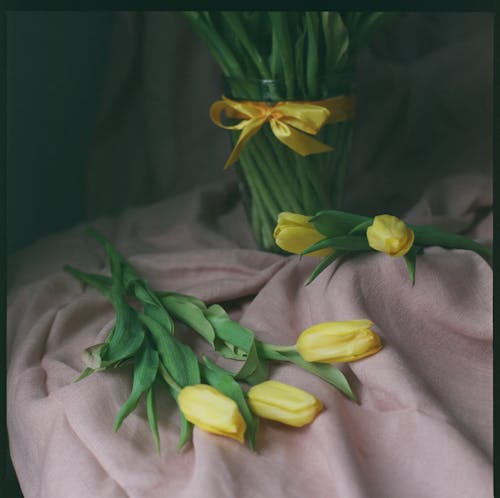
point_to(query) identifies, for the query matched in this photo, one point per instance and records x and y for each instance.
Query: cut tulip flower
(294, 233)
(389, 234)
(284, 403)
(338, 342)
(212, 411)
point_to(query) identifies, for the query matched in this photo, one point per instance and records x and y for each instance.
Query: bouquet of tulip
(288, 76)
(332, 234)
(207, 395)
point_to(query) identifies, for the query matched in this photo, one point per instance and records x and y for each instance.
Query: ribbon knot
(288, 121)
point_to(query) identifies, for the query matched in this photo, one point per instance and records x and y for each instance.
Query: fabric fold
(423, 427)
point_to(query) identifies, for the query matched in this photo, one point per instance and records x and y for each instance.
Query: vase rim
(273, 90)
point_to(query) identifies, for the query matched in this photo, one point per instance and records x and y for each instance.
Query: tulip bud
(336, 342)
(283, 403)
(212, 411)
(294, 233)
(390, 235)
(92, 356)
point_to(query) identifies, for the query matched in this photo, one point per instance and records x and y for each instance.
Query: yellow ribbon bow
(285, 118)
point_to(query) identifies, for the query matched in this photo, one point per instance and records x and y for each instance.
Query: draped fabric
(423, 427)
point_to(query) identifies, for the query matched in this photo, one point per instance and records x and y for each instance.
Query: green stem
(312, 73)
(279, 177)
(262, 228)
(215, 43)
(283, 47)
(234, 22)
(253, 174)
(279, 349)
(429, 236)
(267, 171)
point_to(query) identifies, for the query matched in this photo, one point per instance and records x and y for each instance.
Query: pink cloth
(423, 428)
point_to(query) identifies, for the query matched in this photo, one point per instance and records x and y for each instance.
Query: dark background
(55, 73)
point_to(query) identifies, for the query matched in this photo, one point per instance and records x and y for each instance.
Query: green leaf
(430, 236)
(127, 334)
(186, 426)
(335, 223)
(361, 228)
(178, 359)
(229, 331)
(228, 350)
(151, 303)
(159, 314)
(321, 244)
(88, 371)
(145, 370)
(224, 382)
(183, 297)
(100, 282)
(152, 415)
(125, 278)
(411, 262)
(343, 242)
(191, 315)
(325, 262)
(127, 337)
(140, 289)
(325, 371)
(185, 432)
(253, 371)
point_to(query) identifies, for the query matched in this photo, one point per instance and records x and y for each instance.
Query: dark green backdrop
(55, 72)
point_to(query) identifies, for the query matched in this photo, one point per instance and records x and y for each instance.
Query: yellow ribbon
(288, 121)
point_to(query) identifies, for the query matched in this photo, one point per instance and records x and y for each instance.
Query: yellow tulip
(283, 403)
(212, 411)
(336, 342)
(390, 235)
(294, 233)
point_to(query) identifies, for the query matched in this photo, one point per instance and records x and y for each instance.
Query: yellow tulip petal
(284, 403)
(294, 233)
(212, 411)
(335, 342)
(389, 234)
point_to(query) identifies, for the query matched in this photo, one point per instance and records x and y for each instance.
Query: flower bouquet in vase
(288, 103)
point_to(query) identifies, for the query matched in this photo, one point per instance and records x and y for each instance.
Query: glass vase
(272, 177)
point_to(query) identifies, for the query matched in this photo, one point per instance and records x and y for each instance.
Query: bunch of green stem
(299, 48)
(276, 179)
(276, 56)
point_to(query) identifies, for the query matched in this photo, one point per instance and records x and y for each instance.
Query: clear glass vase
(273, 178)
